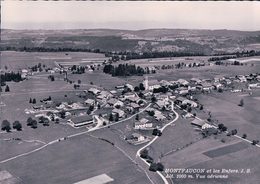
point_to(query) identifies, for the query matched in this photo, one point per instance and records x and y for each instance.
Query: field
(233, 155)
(224, 107)
(21, 60)
(74, 160)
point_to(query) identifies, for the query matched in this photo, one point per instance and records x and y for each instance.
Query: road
(70, 136)
(154, 139)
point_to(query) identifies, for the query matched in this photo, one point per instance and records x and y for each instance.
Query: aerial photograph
(130, 92)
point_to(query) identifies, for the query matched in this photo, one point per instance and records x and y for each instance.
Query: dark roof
(81, 119)
(198, 122)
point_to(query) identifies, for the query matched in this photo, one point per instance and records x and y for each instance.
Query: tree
(137, 117)
(34, 124)
(7, 89)
(17, 125)
(79, 81)
(189, 109)
(201, 107)
(241, 103)
(144, 153)
(160, 167)
(136, 89)
(116, 117)
(244, 136)
(254, 142)
(6, 126)
(63, 114)
(153, 99)
(111, 117)
(151, 113)
(141, 86)
(153, 167)
(30, 101)
(29, 121)
(156, 132)
(234, 132)
(34, 101)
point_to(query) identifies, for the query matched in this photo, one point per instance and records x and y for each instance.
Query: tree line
(123, 70)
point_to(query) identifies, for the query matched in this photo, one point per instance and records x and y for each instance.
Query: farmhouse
(119, 112)
(159, 116)
(182, 82)
(94, 91)
(195, 81)
(198, 123)
(133, 99)
(104, 95)
(128, 95)
(137, 137)
(81, 121)
(129, 86)
(114, 102)
(90, 102)
(151, 84)
(143, 124)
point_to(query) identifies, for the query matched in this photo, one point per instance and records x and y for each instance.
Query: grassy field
(20, 60)
(224, 107)
(74, 160)
(230, 156)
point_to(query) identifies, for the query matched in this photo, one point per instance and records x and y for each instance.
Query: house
(120, 87)
(104, 95)
(254, 85)
(242, 78)
(137, 137)
(205, 86)
(195, 81)
(133, 107)
(227, 81)
(217, 85)
(94, 91)
(115, 102)
(90, 102)
(129, 86)
(143, 124)
(161, 104)
(182, 82)
(180, 100)
(190, 103)
(258, 78)
(159, 116)
(133, 99)
(152, 84)
(127, 95)
(165, 83)
(198, 123)
(119, 112)
(81, 121)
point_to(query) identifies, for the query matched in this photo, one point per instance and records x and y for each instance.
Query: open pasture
(90, 157)
(20, 60)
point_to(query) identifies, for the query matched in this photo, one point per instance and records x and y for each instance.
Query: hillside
(178, 40)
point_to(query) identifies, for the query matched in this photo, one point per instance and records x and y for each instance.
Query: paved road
(154, 139)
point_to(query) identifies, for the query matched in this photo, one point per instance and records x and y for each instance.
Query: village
(149, 103)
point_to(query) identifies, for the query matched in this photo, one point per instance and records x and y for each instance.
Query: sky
(131, 15)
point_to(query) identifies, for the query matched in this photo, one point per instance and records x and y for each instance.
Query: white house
(114, 102)
(143, 124)
(119, 112)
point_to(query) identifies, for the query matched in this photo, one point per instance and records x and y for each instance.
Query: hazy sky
(130, 15)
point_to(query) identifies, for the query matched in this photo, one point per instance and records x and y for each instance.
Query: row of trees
(6, 126)
(123, 70)
(8, 77)
(7, 88)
